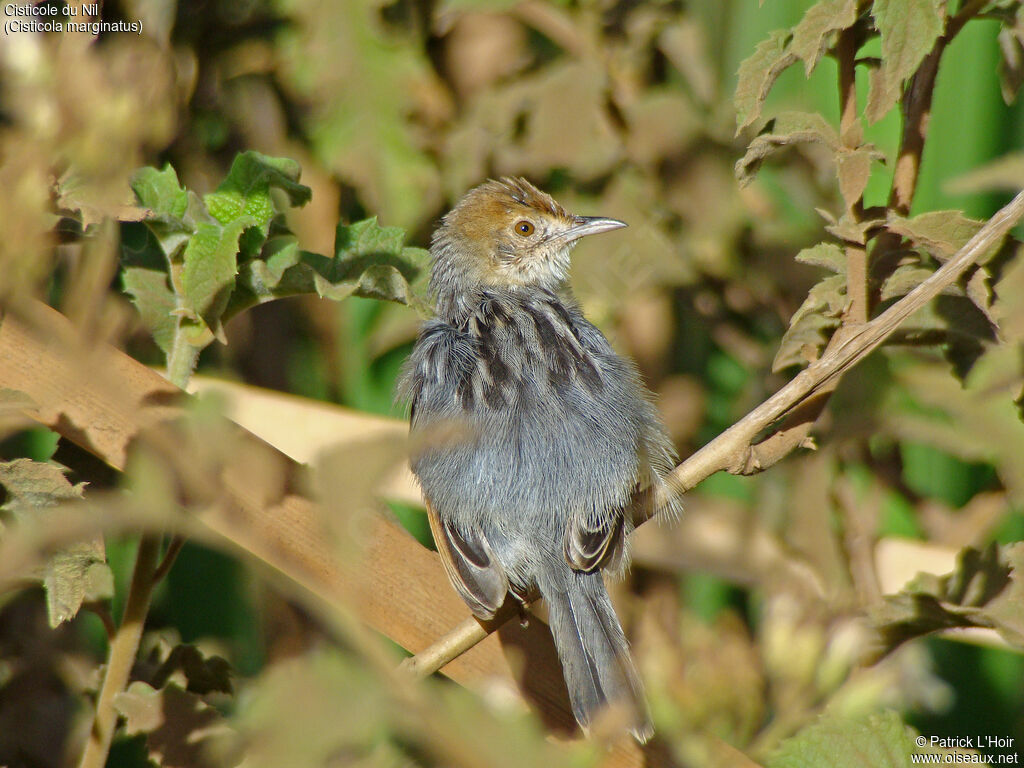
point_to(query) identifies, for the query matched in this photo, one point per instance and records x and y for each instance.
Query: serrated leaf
(803, 341)
(986, 589)
(75, 574)
(155, 301)
(883, 93)
(976, 420)
(854, 230)
(181, 730)
(787, 129)
(903, 280)
(369, 261)
(169, 204)
(979, 291)
(758, 73)
(185, 664)
(827, 255)
(1008, 309)
(879, 740)
(32, 484)
(909, 29)
(811, 37)
(160, 191)
(1005, 610)
(854, 170)
(210, 267)
(941, 233)
(808, 327)
(245, 192)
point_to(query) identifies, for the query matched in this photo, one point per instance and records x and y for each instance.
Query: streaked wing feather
(587, 546)
(471, 567)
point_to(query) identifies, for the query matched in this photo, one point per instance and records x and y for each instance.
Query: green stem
(181, 360)
(124, 647)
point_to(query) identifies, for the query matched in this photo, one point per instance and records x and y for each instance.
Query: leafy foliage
(75, 574)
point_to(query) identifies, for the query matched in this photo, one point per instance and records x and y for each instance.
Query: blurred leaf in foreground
(73, 575)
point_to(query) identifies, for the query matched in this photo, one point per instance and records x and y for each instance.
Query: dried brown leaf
(787, 129)
(827, 255)
(1011, 63)
(941, 233)
(909, 29)
(73, 575)
(854, 170)
(813, 35)
(182, 731)
(758, 73)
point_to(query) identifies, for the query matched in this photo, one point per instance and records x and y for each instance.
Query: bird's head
(508, 234)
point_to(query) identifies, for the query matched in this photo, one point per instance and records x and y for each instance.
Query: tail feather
(593, 651)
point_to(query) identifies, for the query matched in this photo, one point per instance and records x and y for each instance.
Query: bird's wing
(591, 544)
(471, 566)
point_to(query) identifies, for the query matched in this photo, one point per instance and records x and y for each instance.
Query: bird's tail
(592, 648)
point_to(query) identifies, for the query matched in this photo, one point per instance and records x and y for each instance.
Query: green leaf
(210, 268)
(155, 301)
(160, 191)
(75, 574)
(909, 29)
(812, 36)
(879, 740)
(758, 73)
(827, 255)
(169, 203)
(787, 129)
(246, 190)
(369, 261)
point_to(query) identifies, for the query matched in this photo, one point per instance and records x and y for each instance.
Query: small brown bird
(561, 440)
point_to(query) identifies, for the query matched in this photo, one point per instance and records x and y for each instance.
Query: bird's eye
(524, 228)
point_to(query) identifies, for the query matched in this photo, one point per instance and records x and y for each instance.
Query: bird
(535, 443)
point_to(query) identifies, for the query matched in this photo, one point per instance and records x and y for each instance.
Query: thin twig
(177, 542)
(103, 613)
(121, 656)
(447, 647)
(851, 135)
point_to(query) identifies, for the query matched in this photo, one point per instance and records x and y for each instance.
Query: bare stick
(449, 646)
(121, 657)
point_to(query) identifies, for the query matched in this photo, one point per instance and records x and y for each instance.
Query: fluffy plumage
(558, 436)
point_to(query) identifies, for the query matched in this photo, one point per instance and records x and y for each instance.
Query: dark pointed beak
(589, 225)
